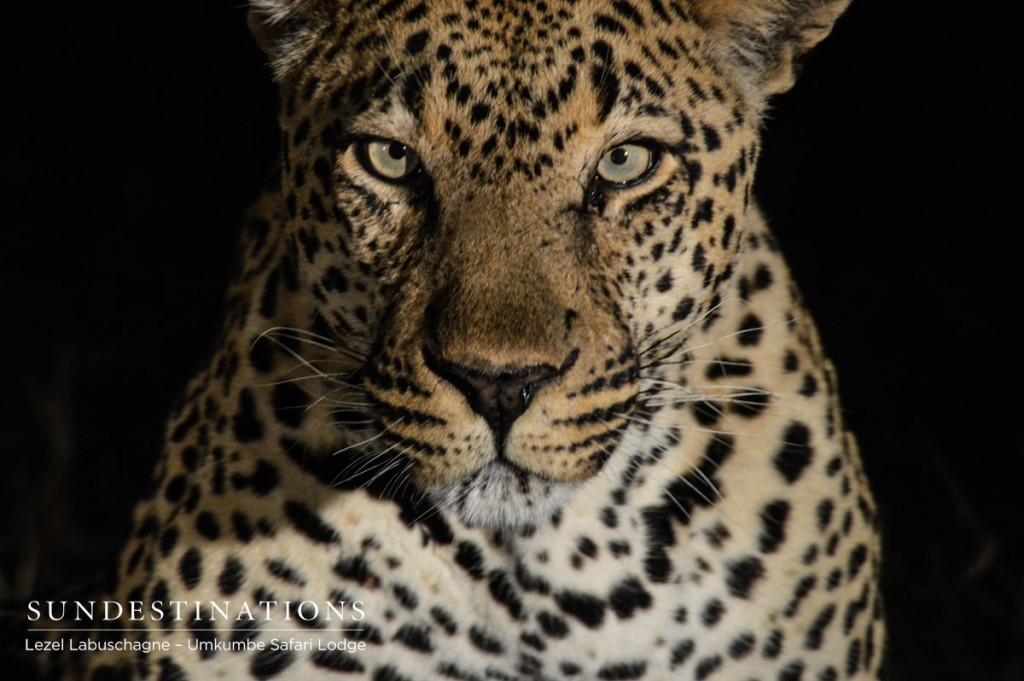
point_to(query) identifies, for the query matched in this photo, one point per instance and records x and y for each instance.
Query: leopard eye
(389, 160)
(625, 164)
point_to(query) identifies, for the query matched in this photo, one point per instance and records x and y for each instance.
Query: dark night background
(135, 134)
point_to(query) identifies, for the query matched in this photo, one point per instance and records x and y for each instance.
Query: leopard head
(508, 204)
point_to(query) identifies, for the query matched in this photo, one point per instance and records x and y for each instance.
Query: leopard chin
(503, 496)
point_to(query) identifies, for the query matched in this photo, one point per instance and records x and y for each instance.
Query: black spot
(309, 523)
(231, 577)
(803, 587)
(468, 556)
(857, 558)
(290, 403)
(853, 657)
(242, 527)
(192, 500)
(824, 513)
(553, 625)
(743, 574)
(207, 525)
(790, 363)
(444, 620)
(728, 227)
(659, 535)
(247, 426)
(414, 637)
(388, 673)
(809, 388)
(268, 663)
(620, 671)
(606, 23)
(406, 598)
(751, 403)
(795, 453)
(587, 547)
(334, 280)
(793, 671)
(175, 489)
(700, 487)
(628, 596)
(762, 277)
(336, 661)
(261, 355)
(356, 570)
(479, 112)
(628, 11)
(726, 367)
(707, 666)
(168, 540)
(190, 567)
(704, 213)
(533, 640)
(586, 608)
(772, 646)
(286, 573)
(741, 646)
(503, 592)
(699, 260)
(190, 458)
(182, 429)
(664, 283)
(773, 525)
(711, 139)
(750, 331)
(264, 478)
(706, 413)
(416, 42)
(169, 671)
(713, 612)
(683, 309)
(606, 83)
(485, 642)
(817, 630)
(681, 652)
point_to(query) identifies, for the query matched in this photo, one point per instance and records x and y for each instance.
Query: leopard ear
(763, 40)
(285, 29)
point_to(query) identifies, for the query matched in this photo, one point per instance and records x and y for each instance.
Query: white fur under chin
(497, 497)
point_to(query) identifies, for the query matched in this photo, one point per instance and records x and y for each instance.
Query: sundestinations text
(158, 611)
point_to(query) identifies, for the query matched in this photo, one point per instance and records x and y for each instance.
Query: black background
(135, 134)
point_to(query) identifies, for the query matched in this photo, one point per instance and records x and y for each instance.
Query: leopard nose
(499, 396)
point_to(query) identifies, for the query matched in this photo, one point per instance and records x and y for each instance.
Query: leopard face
(502, 208)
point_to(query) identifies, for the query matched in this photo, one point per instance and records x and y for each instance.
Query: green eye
(389, 160)
(625, 164)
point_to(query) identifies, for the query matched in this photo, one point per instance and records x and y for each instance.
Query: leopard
(514, 382)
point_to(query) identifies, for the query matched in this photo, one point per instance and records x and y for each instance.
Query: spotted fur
(540, 426)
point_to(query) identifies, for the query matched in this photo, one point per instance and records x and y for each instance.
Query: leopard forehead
(492, 91)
